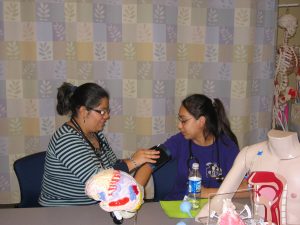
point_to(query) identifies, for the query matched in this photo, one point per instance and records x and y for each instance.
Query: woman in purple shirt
(205, 137)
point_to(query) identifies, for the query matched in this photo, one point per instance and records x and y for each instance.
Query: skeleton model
(287, 62)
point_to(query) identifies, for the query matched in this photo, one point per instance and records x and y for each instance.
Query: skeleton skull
(289, 23)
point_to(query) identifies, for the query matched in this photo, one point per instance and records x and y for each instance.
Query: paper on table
(172, 208)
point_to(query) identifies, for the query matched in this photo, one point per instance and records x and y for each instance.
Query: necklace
(77, 126)
(96, 151)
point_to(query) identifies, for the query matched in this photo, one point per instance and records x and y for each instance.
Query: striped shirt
(70, 162)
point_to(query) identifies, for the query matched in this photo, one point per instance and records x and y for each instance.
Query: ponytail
(64, 94)
(223, 121)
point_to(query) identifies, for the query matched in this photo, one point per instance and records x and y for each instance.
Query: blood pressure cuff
(165, 156)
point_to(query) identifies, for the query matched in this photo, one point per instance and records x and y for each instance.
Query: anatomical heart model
(236, 208)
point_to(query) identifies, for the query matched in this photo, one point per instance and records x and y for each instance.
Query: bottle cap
(195, 165)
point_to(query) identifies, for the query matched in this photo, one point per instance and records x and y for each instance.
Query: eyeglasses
(182, 120)
(101, 112)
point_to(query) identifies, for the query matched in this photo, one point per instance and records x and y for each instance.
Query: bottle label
(194, 185)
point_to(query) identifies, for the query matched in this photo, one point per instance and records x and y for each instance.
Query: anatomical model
(272, 169)
(287, 62)
(117, 192)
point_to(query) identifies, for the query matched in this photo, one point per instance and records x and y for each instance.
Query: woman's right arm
(140, 157)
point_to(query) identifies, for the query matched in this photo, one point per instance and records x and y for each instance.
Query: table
(149, 214)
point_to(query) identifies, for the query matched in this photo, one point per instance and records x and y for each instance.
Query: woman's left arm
(206, 192)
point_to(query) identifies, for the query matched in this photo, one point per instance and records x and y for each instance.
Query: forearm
(242, 190)
(206, 192)
(143, 174)
(141, 157)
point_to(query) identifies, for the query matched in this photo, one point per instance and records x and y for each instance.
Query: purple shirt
(222, 153)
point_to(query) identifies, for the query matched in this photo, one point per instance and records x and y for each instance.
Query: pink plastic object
(229, 216)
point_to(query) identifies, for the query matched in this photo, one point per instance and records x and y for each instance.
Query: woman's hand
(142, 156)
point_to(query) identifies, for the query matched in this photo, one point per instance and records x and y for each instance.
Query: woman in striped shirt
(78, 149)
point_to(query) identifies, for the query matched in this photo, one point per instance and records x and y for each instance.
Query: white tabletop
(149, 214)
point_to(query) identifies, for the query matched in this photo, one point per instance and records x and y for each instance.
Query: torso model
(273, 169)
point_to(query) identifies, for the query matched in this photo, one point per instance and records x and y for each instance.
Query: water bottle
(194, 186)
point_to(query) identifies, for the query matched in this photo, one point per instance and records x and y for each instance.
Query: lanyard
(77, 126)
(191, 156)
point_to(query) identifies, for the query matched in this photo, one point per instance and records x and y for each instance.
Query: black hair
(217, 122)
(70, 98)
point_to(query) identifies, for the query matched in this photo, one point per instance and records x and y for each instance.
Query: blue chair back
(164, 179)
(29, 171)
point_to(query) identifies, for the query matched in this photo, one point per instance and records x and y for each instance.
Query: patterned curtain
(148, 54)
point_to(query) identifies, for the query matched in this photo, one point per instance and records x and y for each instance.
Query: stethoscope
(191, 157)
